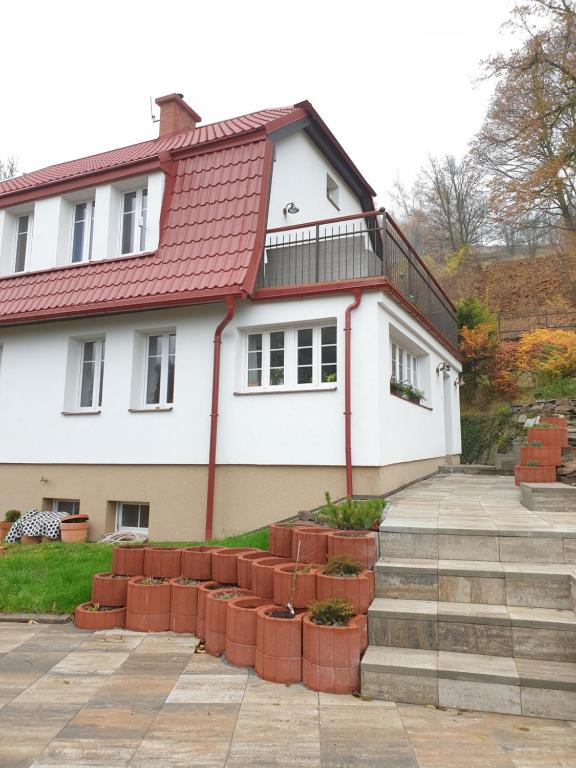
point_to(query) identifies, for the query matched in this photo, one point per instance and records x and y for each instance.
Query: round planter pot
(202, 592)
(358, 590)
(281, 539)
(313, 544)
(241, 630)
(128, 560)
(303, 584)
(225, 564)
(74, 529)
(109, 619)
(196, 562)
(263, 575)
(148, 606)
(109, 589)
(534, 474)
(545, 455)
(244, 565)
(183, 604)
(30, 539)
(278, 656)
(358, 544)
(549, 436)
(331, 655)
(216, 613)
(162, 562)
(4, 529)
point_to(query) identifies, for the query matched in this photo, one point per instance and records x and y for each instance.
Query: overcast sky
(393, 80)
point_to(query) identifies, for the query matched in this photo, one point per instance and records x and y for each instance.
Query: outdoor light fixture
(290, 208)
(459, 380)
(442, 367)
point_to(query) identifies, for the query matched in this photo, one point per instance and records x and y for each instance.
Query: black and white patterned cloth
(36, 523)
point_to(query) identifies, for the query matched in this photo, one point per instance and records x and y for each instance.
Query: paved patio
(71, 698)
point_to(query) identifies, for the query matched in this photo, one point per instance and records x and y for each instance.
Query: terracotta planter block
(162, 562)
(146, 599)
(107, 590)
(183, 606)
(534, 474)
(281, 540)
(216, 618)
(331, 679)
(244, 565)
(278, 647)
(557, 421)
(241, 629)
(147, 622)
(128, 561)
(359, 590)
(549, 436)
(263, 575)
(277, 670)
(202, 593)
(545, 455)
(196, 562)
(304, 590)
(331, 655)
(225, 564)
(358, 544)
(313, 544)
(85, 619)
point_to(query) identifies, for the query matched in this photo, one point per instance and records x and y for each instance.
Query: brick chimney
(175, 115)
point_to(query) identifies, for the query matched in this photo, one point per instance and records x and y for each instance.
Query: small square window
(332, 191)
(132, 517)
(66, 506)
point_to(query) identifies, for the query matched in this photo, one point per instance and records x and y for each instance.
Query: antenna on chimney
(154, 118)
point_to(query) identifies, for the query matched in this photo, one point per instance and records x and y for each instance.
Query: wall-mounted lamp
(290, 208)
(445, 367)
(459, 380)
(43, 479)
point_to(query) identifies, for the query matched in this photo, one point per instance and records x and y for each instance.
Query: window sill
(87, 412)
(155, 409)
(405, 400)
(286, 390)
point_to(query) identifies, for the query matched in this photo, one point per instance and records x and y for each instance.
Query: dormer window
(23, 239)
(83, 231)
(134, 210)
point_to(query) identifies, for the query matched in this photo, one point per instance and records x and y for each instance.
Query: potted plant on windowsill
(9, 519)
(396, 387)
(343, 577)
(413, 394)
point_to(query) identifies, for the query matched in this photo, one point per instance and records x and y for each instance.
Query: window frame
(404, 362)
(163, 401)
(119, 510)
(74, 502)
(98, 383)
(138, 230)
(29, 229)
(88, 234)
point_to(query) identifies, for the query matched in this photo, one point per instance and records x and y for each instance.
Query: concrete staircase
(475, 618)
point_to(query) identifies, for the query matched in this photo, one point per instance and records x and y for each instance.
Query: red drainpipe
(230, 304)
(348, 388)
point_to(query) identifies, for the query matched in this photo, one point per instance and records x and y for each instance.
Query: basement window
(132, 517)
(66, 506)
(332, 191)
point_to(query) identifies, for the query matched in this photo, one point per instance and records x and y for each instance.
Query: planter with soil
(313, 543)
(534, 474)
(549, 436)
(263, 575)
(202, 592)
(343, 577)
(281, 539)
(278, 645)
(216, 617)
(128, 560)
(30, 539)
(196, 562)
(225, 564)
(183, 604)
(109, 589)
(94, 616)
(244, 564)
(544, 455)
(360, 545)
(148, 606)
(299, 588)
(241, 630)
(74, 529)
(162, 562)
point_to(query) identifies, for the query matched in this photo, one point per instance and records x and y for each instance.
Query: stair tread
(478, 568)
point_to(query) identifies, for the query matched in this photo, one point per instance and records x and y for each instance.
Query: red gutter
(348, 388)
(231, 305)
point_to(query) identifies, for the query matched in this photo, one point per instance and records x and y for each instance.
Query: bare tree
(8, 168)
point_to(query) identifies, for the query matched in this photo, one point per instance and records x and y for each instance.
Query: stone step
(473, 469)
(469, 681)
(473, 581)
(494, 630)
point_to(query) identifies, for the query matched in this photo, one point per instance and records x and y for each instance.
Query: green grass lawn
(56, 577)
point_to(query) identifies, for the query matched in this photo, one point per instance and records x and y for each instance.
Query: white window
(82, 231)
(159, 369)
(404, 366)
(91, 374)
(291, 357)
(134, 213)
(332, 191)
(132, 517)
(23, 240)
(68, 506)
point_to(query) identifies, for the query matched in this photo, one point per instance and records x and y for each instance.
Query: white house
(198, 332)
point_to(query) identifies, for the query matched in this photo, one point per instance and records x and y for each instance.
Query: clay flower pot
(534, 474)
(241, 630)
(225, 564)
(358, 590)
(281, 539)
(331, 655)
(162, 562)
(303, 584)
(263, 575)
(128, 560)
(109, 589)
(545, 455)
(216, 613)
(361, 545)
(4, 528)
(183, 604)
(278, 645)
(107, 618)
(313, 544)
(244, 565)
(196, 562)
(148, 606)
(74, 529)
(30, 539)
(557, 421)
(549, 436)
(202, 592)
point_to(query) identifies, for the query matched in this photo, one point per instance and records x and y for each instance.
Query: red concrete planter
(202, 593)
(358, 544)
(148, 606)
(162, 562)
(183, 604)
(107, 619)
(358, 590)
(281, 539)
(557, 421)
(331, 655)
(216, 613)
(196, 562)
(545, 455)
(241, 630)
(278, 646)
(549, 436)
(534, 474)
(263, 575)
(128, 561)
(225, 564)
(304, 585)
(313, 544)
(109, 589)
(244, 565)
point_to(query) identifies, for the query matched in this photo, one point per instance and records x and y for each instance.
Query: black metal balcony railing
(352, 247)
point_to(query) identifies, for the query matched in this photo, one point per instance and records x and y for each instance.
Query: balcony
(351, 248)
